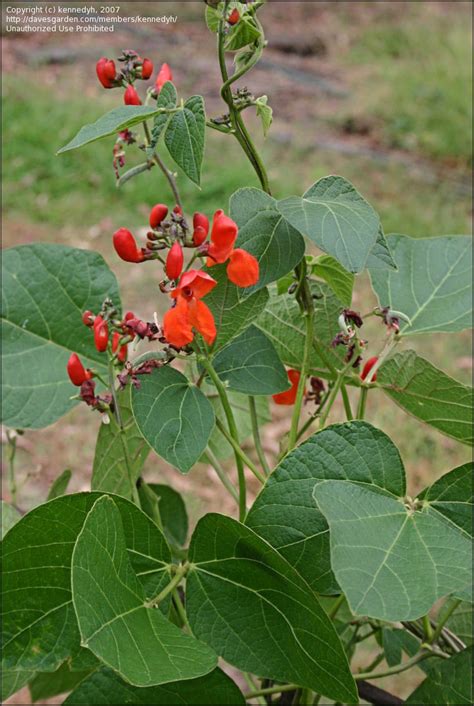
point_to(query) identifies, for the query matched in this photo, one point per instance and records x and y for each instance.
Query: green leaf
(10, 517)
(250, 364)
(380, 257)
(233, 312)
(212, 18)
(173, 416)
(340, 280)
(428, 394)
(46, 684)
(337, 218)
(259, 615)
(461, 621)
(115, 621)
(285, 514)
(265, 113)
(39, 625)
(243, 33)
(240, 407)
(449, 683)
(284, 325)
(172, 511)
(12, 681)
(110, 470)
(452, 497)
(45, 289)
(392, 562)
(185, 137)
(432, 285)
(59, 486)
(167, 99)
(114, 121)
(265, 234)
(106, 687)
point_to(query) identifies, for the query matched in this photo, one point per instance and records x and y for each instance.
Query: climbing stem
(233, 434)
(240, 452)
(398, 668)
(335, 391)
(279, 689)
(169, 176)
(221, 474)
(256, 435)
(347, 403)
(439, 628)
(180, 572)
(178, 603)
(362, 402)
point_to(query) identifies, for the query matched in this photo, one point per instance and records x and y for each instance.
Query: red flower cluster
(190, 312)
(133, 68)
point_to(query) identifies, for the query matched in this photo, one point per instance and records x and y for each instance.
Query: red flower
(223, 236)
(289, 396)
(76, 371)
(243, 269)
(190, 312)
(164, 75)
(101, 334)
(234, 17)
(158, 214)
(131, 97)
(122, 351)
(126, 247)
(105, 69)
(174, 261)
(194, 284)
(88, 318)
(368, 367)
(147, 69)
(201, 228)
(178, 210)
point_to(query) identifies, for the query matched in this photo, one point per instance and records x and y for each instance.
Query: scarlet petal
(177, 326)
(199, 283)
(223, 236)
(202, 320)
(126, 247)
(289, 396)
(243, 269)
(164, 75)
(368, 367)
(131, 97)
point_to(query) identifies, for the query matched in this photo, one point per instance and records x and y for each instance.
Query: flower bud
(76, 371)
(199, 236)
(101, 334)
(131, 97)
(126, 246)
(178, 210)
(368, 367)
(200, 220)
(147, 69)
(174, 261)
(88, 318)
(163, 76)
(234, 17)
(106, 72)
(158, 214)
(122, 350)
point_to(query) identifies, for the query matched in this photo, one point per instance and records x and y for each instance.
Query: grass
(420, 80)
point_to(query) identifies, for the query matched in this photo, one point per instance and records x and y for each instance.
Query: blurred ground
(375, 91)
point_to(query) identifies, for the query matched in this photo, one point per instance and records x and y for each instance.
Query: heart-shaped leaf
(250, 364)
(452, 496)
(167, 99)
(185, 135)
(284, 513)
(380, 257)
(392, 559)
(39, 625)
(111, 609)
(45, 289)
(173, 416)
(260, 615)
(433, 284)
(428, 394)
(265, 234)
(105, 687)
(112, 122)
(337, 218)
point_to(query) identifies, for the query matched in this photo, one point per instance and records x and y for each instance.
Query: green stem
(347, 403)
(334, 392)
(181, 571)
(12, 489)
(178, 603)
(271, 690)
(362, 402)
(256, 435)
(233, 434)
(169, 176)
(439, 628)
(252, 684)
(121, 433)
(154, 503)
(337, 604)
(375, 662)
(240, 452)
(395, 670)
(314, 416)
(428, 630)
(221, 474)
